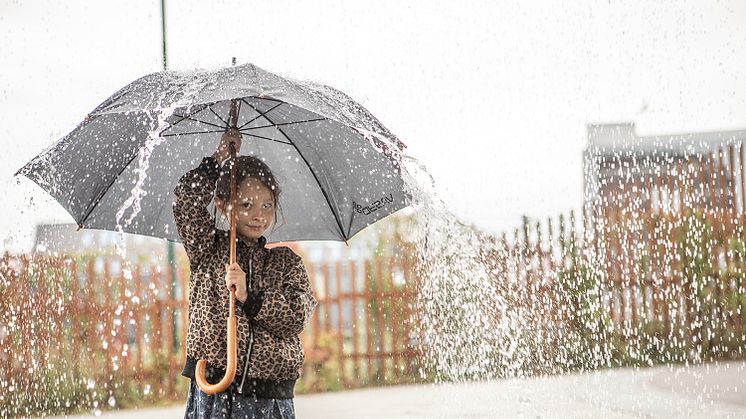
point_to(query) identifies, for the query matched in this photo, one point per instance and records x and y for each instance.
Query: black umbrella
(339, 168)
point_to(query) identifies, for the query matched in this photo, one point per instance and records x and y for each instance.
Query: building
(672, 172)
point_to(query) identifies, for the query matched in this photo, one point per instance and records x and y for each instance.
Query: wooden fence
(363, 323)
(85, 325)
(654, 271)
(671, 242)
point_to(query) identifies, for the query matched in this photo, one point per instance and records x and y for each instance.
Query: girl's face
(256, 209)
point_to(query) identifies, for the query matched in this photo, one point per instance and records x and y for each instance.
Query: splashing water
(157, 123)
(638, 288)
(458, 302)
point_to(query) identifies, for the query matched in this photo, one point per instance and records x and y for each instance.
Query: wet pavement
(702, 391)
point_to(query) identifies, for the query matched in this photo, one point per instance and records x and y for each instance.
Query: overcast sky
(493, 97)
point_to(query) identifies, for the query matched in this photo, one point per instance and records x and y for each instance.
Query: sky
(492, 97)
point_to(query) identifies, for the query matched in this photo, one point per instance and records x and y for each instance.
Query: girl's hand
(234, 275)
(224, 151)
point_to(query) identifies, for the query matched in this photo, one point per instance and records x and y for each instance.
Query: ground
(702, 391)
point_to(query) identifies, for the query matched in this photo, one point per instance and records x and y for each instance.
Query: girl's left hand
(234, 275)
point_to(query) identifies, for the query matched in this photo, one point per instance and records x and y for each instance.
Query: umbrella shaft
(233, 121)
(251, 329)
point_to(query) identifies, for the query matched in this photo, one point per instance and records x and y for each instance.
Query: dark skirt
(232, 404)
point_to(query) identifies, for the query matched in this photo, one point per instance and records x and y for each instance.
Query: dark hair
(247, 167)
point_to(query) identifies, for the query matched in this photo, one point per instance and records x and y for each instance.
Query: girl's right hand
(235, 276)
(224, 151)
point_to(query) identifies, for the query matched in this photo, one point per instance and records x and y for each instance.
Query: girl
(273, 304)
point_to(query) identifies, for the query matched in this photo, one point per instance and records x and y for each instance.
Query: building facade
(624, 171)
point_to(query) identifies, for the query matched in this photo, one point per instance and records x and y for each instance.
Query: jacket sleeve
(194, 223)
(285, 311)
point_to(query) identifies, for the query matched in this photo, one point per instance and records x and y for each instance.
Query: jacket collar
(259, 243)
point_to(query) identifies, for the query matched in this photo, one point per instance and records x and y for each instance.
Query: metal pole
(163, 33)
(170, 251)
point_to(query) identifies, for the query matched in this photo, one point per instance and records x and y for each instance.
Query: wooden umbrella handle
(230, 371)
(232, 350)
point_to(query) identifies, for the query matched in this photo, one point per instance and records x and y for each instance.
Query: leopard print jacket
(278, 274)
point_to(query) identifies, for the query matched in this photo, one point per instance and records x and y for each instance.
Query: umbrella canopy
(339, 169)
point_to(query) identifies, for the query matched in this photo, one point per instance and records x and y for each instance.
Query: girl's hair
(247, 167)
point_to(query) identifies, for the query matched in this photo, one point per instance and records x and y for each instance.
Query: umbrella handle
(230, 371)
(232, 351)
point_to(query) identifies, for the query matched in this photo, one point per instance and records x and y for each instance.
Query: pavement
(716, 390)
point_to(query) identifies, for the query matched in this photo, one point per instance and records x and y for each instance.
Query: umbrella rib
(323, 191)
(260, 114)
(186, 116)
(193, 132)
(210, 132)
(103, 192)
(189, 117)
(170, 125)
(202, 122)
(267, 98)
(265, 138)
(287, 123)
(216, 114)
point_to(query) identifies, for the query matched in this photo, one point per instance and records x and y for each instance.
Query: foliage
(62, 389)
(708, 326)
(322, 370)
(587, 326)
